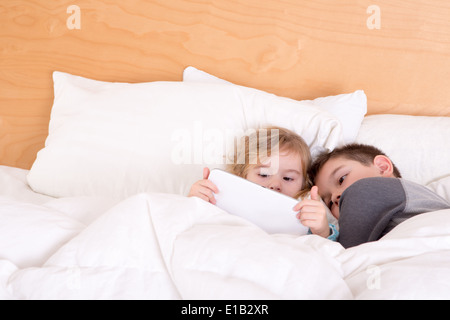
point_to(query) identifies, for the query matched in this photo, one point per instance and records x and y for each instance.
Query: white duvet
(162, 246)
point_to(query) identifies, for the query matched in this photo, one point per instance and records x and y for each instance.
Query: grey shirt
(372, 207)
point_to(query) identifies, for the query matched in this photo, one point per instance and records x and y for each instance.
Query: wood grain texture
(296, 48)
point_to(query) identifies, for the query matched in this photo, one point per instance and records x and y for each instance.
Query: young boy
(365, 191)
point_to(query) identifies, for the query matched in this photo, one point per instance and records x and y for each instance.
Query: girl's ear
(384, 164)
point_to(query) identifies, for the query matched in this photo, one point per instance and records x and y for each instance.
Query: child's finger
(206, 173)
(307, 214)
(315, 193)
(203, 197)
(310, 209)
(312, 203)
(210, 185)
(208, 194)
(308, 219)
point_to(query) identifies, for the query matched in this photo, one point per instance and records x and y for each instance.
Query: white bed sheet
(13, 184)
(162, 246)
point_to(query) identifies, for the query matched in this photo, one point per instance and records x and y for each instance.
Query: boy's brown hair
(364, 154)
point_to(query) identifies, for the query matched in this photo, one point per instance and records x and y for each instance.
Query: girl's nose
(275, 185)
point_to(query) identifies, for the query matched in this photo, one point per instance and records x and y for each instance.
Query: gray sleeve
(372, 207)
(420, 199)
(367, 207)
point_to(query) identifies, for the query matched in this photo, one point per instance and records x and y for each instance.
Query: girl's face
(281, 172)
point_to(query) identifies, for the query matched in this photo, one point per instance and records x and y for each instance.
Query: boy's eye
(341, 179)
(288, 179)
(263, 175)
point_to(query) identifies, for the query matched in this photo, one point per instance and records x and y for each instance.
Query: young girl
(278, 159)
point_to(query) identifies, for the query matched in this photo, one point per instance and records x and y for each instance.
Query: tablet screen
(268, 209)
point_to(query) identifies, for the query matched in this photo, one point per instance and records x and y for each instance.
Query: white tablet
(268, 209)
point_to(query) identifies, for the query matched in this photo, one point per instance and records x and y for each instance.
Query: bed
(110, 111)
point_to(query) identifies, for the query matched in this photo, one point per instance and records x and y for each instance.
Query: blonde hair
(259, 144)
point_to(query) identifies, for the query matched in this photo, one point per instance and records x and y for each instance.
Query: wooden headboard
(397, 51)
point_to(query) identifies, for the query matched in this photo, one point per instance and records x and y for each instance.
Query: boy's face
(339, 173)
(281, 172)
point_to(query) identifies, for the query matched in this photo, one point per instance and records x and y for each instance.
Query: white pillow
(441, 187)
(119, 139)
(419, 146)
(349, 108)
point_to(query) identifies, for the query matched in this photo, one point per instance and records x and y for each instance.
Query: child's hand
(313, 214)
(204, 189)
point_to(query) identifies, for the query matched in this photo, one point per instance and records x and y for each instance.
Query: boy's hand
(204, 189)
(313, 214)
